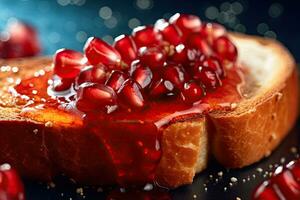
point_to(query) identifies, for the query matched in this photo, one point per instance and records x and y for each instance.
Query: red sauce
(132, 137)
(284, 184)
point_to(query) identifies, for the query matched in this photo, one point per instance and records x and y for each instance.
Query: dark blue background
(67, 23)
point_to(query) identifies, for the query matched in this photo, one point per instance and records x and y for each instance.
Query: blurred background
(68, 23)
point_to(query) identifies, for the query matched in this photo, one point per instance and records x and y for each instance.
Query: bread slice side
(42, 150)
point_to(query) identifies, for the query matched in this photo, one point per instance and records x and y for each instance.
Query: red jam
(284, 184)
(127, 103)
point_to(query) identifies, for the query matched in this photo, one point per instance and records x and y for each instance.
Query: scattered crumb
(210, 176)
(225, 188)
(52, 185)
(293, 150)
(282, 160)
(194, 196)
(220, 173)
(35, 131)
(148, 187)
(122, 190)
(79, 191)
(238, 198)
(260, 170)
(244, 180)
(233, 179)
(230, 184)
(205, 189)
(253, 175)
(48, 124)
(99, 189)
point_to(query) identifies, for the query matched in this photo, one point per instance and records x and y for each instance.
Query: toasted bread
(52, 143)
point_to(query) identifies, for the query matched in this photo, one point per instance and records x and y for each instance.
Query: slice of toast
(43, 145)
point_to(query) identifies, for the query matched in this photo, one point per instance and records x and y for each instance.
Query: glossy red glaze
(99, 52)
(284, 184)
(93, 97)
(192, 92)
(132, 137)
(11, 187)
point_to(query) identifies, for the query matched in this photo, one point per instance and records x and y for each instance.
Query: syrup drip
(284, 184)
(131, 138)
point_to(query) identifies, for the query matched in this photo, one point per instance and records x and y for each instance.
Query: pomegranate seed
(68, 63)
(186, 23)
(195, 40)
(175, 74)
(211, 31)
(125, 45)
(99, 52)
(11, 186)
(207, 77)
(192, 92)
(131, 95)
(62, 84)
(146, 36)
(225, 49)
(142, 75)
(184, 55)
(93, 97)
(116, 79)
(169, 32)
(94, 74)
(214, 64)
(153, 57)
(23, 41)
(160, 88)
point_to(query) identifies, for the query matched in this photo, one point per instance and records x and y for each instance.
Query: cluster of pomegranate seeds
(19, 40)
(284, 184)
(11, 187)
(181, 57)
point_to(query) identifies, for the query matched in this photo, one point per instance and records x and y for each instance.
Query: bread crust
(235, 139)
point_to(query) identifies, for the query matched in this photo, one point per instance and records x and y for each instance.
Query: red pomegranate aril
(23, 41)
(142, 75)
(225, 49)
(63, 84)
(125, 45)
(211, 31)
(161, 88)
(146, 36)
(153, 57)
(195, 40)
(192, 92)
(184, 55)
(99, 52)
(92, 97)
(11, 187)
(214, 64)
(68, 63)
(94, 74)
(130, 94)
(116, 79)
(175, 74)
(169, 32)
(186, 23)
(207, 77)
